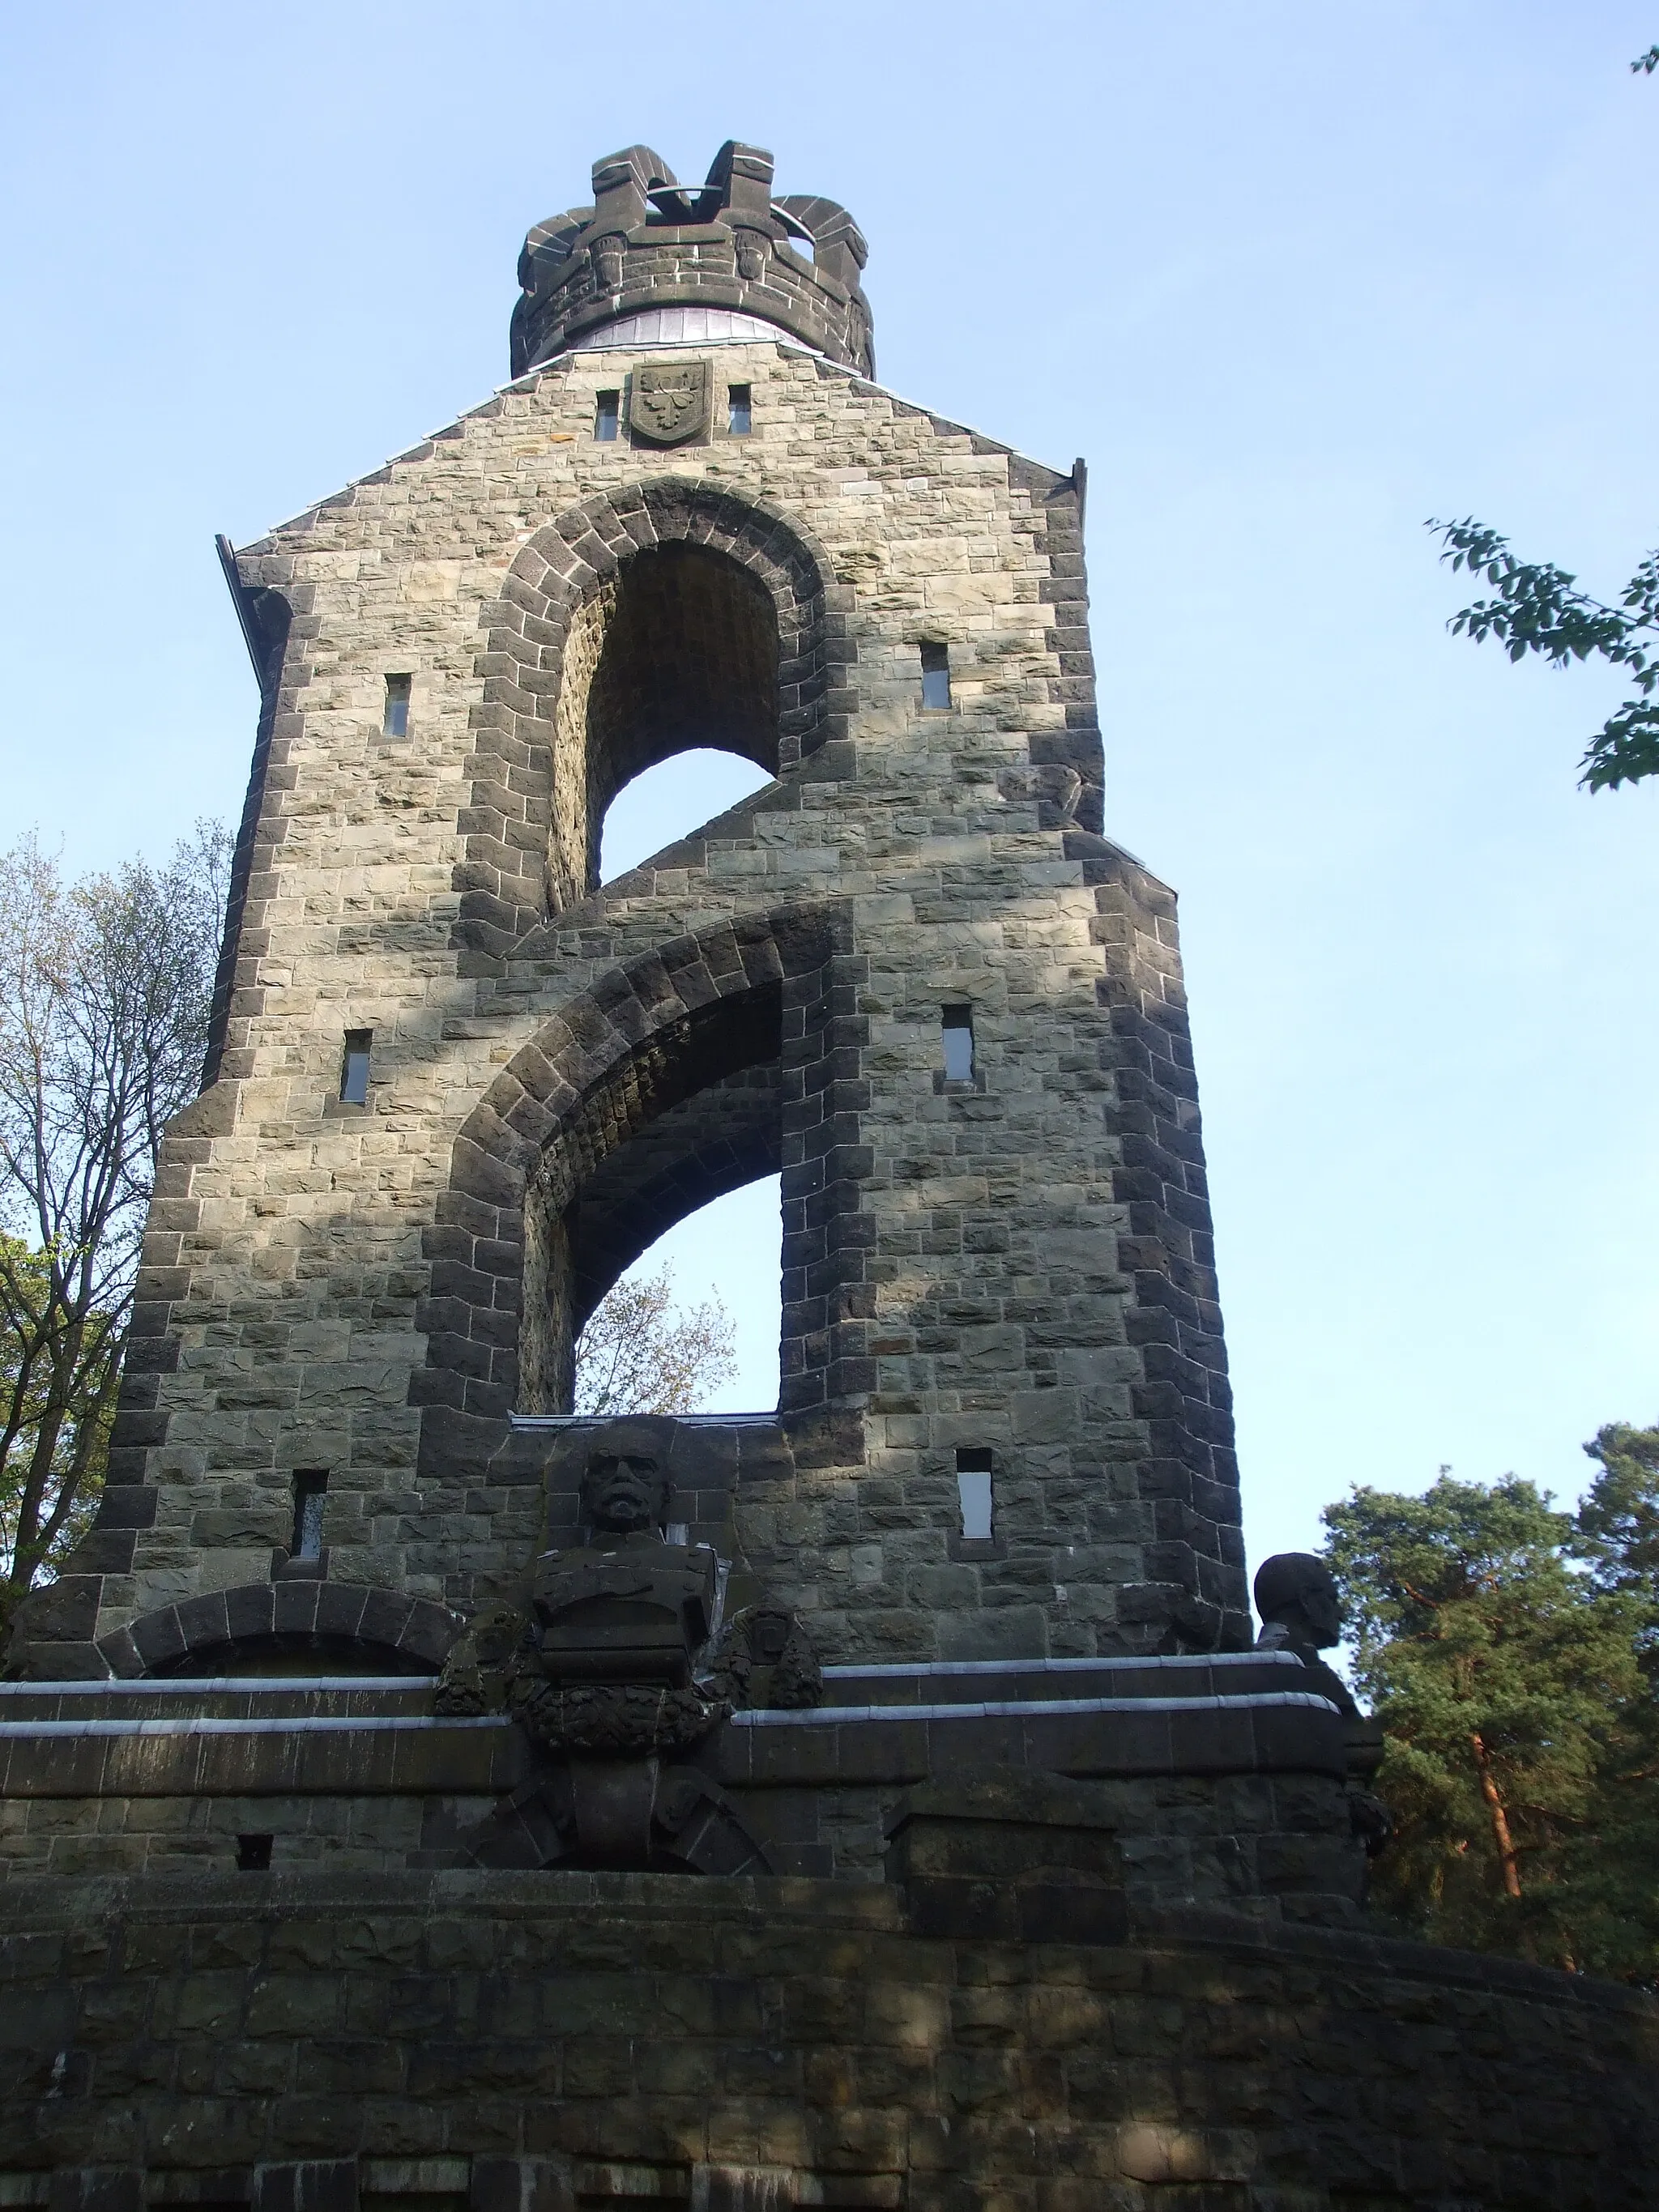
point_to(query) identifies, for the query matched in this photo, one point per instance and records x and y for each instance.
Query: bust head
(1296, 1590)
(624, 1496)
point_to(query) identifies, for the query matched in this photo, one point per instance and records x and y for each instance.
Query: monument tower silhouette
(417, 1794)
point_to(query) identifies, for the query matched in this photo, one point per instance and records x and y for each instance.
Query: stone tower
(416, 1798)
(691, 520)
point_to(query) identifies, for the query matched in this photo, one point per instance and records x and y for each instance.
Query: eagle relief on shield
(668, 401)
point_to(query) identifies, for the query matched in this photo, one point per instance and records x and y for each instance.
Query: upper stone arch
(667, 589)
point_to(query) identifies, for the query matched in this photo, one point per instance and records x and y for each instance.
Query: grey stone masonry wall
(1018, 1263)
(486, 2043)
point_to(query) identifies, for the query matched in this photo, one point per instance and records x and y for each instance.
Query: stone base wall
(1274, 1847)
(1224, 1781)
(491, 2043)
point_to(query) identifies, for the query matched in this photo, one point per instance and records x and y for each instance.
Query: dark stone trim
(1195, 1564)
(723, 244)
(266, 616)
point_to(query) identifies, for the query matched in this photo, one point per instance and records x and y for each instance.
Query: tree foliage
(105, 987)
(1508, 1651)
(1539, 609)
(641, 1353)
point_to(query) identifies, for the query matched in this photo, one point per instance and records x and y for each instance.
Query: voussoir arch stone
(404, 1634)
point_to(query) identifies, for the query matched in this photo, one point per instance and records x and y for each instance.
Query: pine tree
(1614, 1887)
(1508, 1682)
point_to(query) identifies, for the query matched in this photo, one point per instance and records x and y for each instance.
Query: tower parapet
(651, 254)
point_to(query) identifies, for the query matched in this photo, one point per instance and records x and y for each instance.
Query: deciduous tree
(105, 985)
(641, 1353)
(1538, 608)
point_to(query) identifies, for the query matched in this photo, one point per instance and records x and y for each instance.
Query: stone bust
(1296, 1595)
(623, 1495)
(626, 1606)
(1301, 1610)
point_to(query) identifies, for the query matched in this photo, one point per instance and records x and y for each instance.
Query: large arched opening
(694, 1114)
(678, 650)
(642, 623)
(690, 1072)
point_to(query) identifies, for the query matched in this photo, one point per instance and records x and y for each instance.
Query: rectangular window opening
(607, 415)
(974, 1491)
(395, 721)
(957, 1028)
(936, 677)
(310, 1488)
(737, 409)
(253, 1854)
(354, 1068)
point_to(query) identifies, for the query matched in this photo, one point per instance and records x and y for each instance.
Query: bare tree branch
(105, 985)
(640, 1353)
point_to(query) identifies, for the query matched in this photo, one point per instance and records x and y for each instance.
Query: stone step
(981, 1681)
(345, 1697)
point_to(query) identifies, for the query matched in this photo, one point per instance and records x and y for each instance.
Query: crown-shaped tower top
(656, 261)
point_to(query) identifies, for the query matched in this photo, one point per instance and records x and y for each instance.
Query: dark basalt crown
(648, 242)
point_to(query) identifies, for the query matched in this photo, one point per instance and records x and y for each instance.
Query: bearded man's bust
(627, 1606)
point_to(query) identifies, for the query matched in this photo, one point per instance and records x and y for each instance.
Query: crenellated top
(650, 248)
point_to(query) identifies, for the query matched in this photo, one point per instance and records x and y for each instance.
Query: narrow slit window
(395, 721)
(309, 1492)
(974, 1492)
(737, 409)
(936, 677)
(354, 1068)
(957, 1028)
(607, 415)
(253, 1854)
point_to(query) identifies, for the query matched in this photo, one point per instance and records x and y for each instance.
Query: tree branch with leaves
(1539, 609)
(105, 987)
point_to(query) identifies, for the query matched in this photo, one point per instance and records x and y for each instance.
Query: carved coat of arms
(668, 401)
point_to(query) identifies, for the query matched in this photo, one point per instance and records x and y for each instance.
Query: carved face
(1299, 1590)
(1323, 1609)
(623, 1496)
(606, 256)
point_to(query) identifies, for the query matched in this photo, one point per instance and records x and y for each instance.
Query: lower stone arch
(651, 1034)
(646, 1147)
(260, 1626)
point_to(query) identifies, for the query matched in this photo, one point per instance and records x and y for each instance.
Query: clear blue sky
(1291, 277)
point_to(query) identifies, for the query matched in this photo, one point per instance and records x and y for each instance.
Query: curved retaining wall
(544, 2043)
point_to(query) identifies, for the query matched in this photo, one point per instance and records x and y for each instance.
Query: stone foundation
(500, 2041)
